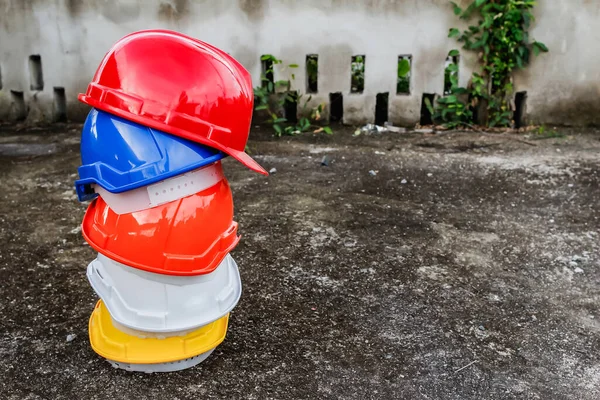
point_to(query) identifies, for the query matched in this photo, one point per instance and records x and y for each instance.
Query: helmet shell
(149, 302)
(121, 155)
(180, 85)
(115, 345)
(188, 236)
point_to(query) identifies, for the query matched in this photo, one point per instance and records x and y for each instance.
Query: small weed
(543, 133)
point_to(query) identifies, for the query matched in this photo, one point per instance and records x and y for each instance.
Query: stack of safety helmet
(166, 109)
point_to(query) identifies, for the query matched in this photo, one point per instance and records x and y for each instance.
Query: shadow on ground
(408, 266)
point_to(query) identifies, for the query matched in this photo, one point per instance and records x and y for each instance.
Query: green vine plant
(264, 93)
(502, 43)
(451, 72)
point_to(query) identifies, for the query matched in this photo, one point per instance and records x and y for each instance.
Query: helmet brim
(115, 345)
(248, 161)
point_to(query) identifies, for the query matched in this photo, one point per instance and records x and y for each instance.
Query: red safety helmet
(180, 85)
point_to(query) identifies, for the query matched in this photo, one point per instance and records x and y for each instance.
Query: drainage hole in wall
(336, 107)
(381, 108)
(451, 71)
(268, 82)
(312, 73)
(357, 82)
(426, 117)
(36, 76)
(290, 106)
(18, 105)
(60, 104)
(520, 109)
(403, 74)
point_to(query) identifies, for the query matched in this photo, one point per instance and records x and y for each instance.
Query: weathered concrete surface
(477, 278)
(562, 86)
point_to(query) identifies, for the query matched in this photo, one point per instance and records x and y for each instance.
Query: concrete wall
(72, 36)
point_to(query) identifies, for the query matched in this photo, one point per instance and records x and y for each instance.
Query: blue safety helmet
(120, 155)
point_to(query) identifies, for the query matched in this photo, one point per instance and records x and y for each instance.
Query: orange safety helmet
(188, 236)
(180, 85)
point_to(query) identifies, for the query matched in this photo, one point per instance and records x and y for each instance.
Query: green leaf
(327, 130)
(277, 129)
(526, 19)
(304, 123)
(485, 37)
(293, 65)
(454, 53)
(541, 46)
(453, 33)
(261, 107)
(489, 20)
(429, 106)
(279, 120)
(478, 44)
(403, 68)
(457, 9)
(479, 3)
(469, 11)
(459, 91)
(518, 35)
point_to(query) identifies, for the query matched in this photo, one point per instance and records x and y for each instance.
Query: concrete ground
(411, 266)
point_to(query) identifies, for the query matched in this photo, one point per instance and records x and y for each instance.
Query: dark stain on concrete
(74, 7)
(182, 6)
(404, 113)
(377, 7)
(168, 12)
(121, 13)
(246, 56)
(579, 108)
(592, 6)
(16, 19)
(254, 9)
